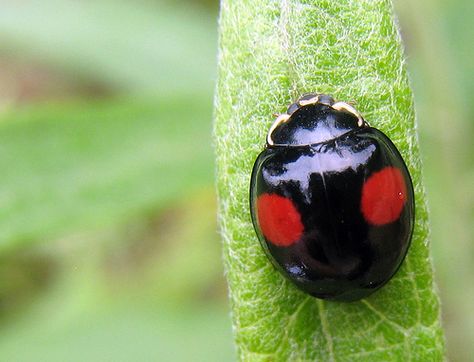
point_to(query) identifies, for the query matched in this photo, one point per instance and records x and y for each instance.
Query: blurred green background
(108, 241)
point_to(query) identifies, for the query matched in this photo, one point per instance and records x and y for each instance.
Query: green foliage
(124, 294)
(122, 333)
(76, 165)
(108, 243)
(270, 53)
(139, 46)
(446, 130)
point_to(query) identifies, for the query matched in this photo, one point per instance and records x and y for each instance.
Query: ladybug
(331, 200)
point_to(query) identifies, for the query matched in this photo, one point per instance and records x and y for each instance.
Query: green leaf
(80, 166)
(118, 331)
(120, 43)
(270, 53)
(132, 293)
(447, 151)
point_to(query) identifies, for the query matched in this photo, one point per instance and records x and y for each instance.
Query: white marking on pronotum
(343, 106)
(307, 102)
(282, 118)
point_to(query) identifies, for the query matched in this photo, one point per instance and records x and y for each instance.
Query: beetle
(331, 200)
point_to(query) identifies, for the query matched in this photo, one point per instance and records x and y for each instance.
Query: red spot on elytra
(383, 196)
(279, 219)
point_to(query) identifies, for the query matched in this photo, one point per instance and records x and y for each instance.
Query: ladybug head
(314, 118)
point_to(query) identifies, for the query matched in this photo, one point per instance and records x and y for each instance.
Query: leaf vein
(325, 329)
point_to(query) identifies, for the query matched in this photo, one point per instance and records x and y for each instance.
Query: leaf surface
(270, 53)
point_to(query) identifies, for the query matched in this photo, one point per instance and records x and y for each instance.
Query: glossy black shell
(320, 159)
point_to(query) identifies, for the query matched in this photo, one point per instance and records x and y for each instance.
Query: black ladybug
(331, 200)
